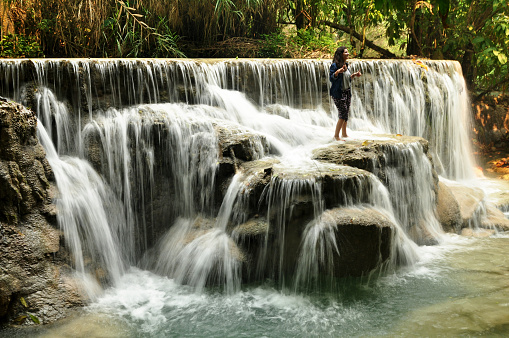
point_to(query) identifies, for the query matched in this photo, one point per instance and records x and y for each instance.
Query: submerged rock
(34, 276)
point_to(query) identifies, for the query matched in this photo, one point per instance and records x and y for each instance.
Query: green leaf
(478, 40)
(23, 302)
(502, 58)
(34, 318)
(20, 319)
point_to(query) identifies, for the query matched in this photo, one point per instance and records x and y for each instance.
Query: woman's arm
(336, 73)
(332, 71)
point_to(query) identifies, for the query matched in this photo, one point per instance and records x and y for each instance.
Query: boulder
(269, 181)
(279, 201)
(240, 144)
(364, 239)
(254, 229)
(448, 209)
(474, 211)
(371, 155)
(471, 204)
(405, 167)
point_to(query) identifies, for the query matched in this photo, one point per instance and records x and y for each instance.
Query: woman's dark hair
(338, 57)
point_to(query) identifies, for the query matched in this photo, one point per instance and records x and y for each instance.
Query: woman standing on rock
(340, 77)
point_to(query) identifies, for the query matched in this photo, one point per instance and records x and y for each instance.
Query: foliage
(95, 28)
(472, 32)
(275, 45)
(301, 44)
(132, 37)
(19, 46)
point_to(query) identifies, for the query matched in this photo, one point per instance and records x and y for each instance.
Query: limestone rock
(33, 265)
(470, 201)
(370, 155)
(364, 238)
(337, 185)
(279, 200)
(500, 196)
(495, 219)
(242, 145)
(448, 209)
(253, 228)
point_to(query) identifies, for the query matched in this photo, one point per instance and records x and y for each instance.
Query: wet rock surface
(364, 238)
(495, 219)
(448, 209)
(279, 201)
(463, 209)
(35, 282)
(470, 201)
(366, 154)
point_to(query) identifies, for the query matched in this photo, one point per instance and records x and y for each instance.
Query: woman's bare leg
(339, 126)
(343, 129)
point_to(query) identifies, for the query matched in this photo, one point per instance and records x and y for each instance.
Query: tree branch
(358, 36)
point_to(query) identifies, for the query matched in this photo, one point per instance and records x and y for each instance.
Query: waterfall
(402, 98)
(91, 218)
(149, 176)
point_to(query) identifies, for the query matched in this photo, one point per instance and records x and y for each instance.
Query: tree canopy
(474, 32)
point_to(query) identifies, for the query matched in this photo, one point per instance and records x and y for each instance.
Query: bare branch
(358, 36)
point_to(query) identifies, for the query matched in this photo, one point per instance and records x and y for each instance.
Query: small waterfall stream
(140, 149)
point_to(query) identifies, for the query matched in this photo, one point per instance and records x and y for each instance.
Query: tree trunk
(467, 66)
(414, 44)
(300, 17)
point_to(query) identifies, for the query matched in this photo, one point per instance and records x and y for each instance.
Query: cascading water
(146, 145)
(397, 99)
(91, 218)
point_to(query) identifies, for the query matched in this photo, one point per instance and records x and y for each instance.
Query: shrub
(19, 46)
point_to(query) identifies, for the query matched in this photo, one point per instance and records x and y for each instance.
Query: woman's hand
(356, 74)
(340, 70)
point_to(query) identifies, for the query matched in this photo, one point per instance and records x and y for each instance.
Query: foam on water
(152, 305)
